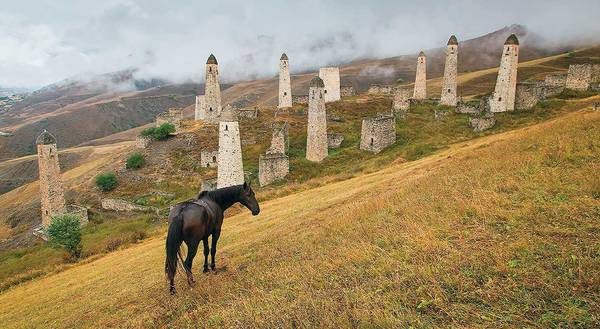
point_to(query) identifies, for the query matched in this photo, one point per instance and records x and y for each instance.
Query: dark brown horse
(193, 221)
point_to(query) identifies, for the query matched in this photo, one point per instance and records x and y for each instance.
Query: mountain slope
(435, 242)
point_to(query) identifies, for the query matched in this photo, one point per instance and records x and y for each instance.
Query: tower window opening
(210, 109)
(371, 141)
(210, 69)
(448, 90)
(326, 91)
(214, 158)
(285, 93)
(226, 128)
(499, 99)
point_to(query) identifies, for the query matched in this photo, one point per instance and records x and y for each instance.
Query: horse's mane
(221, 193)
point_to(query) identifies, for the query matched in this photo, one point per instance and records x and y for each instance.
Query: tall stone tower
(331, 80)
(316, 139)
(285, 85)
(421, 78)
(51, 189)
(450, 73)
(503, 98)
(212, 89)
(230, 166)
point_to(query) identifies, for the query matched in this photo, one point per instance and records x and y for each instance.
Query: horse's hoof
(205, 270)
(213, 267)
(172, 291)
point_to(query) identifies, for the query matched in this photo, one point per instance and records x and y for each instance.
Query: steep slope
(435, 242)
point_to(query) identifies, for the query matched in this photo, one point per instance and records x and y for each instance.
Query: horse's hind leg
(206, 251)
(192, 250)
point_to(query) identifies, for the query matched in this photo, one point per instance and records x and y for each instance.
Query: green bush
(64, 231)
(135, 161)
(159, 133)
(107, 181)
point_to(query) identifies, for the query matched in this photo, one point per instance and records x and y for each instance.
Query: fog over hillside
(47, 41)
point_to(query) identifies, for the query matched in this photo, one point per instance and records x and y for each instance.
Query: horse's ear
(245, 185)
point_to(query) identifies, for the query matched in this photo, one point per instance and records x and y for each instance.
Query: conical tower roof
(283, 57)
(452, 41)
(317, 82)
(45, 138)
(211, 59)
(421, 54)
(512, 40)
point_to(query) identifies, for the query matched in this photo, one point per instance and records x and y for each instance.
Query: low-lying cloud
(42, 42)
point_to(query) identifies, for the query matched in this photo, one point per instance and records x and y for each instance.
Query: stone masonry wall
(173, 116)
(200, 108)
(503, 98)
(230, 166)
(331, 78)
(401, 102)
(209, 158)
(582, 76)
(346, 91)
(272, 167)
(420, 91)
(285, 85)
(378, 133)
(528, 94)
(448, 96)
(142, 142)
(556, 80)
(381, 89)
(279, 139)
(249, 112)
(51, 188)
(316, 140)
(300, 99)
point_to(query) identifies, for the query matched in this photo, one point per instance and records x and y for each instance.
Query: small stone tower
(316, 139)
(200, 108)
(230, 166)
(450, 73)
(212, 89)
(331, 80)
(285, 85)
(421, 78)
(503, 98)
(51, 189)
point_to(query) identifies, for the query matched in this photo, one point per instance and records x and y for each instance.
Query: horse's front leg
(213, 249)
(206, 250)
(192, 250)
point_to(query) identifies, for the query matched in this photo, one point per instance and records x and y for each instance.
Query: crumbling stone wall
(556, 80)
(331, 79)
(272, 167)
(346, 91)
(381, 89)
(173, 116)
(378, 133)
(251, 112)
(280, 138)
(528, 94)
(420, 91)
(230, 166)
(142, 142)
(285, 84)
(122, 205)
(209, 158)
(401, 102)
(51, 189)
(582, 76)
(503, 98)
(300, 99)
(449, 82)
(316, 140)
(334, 140)
(80, 212)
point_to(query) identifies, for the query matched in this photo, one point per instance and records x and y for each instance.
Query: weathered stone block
(346, 91)
(300, 99)
(272, 167)
(331, 80)
(142, 142)
(334, 140)
(209, 158)
(378, 133)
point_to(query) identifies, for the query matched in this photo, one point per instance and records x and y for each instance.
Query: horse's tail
(174, 240)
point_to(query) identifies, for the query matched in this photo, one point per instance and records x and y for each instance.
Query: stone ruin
(80, 212)
(503, 97)
(142, 142)
(381, 89)
(377, 133)
(275, 164)
(334, 140)
(583, 77)
(300, 99)
(280, 137)
(316, 139)
(420, 91)
(173, 116)
(230, 166)
(556, 80)
(331, 80)
(285, 84)
(484, 119)
(529, 93)
(449, 82)
(209, 158)
(250, 112)
(401, 102)
(124, 205)
(347, 91)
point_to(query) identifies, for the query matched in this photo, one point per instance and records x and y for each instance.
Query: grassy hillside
(500, 231)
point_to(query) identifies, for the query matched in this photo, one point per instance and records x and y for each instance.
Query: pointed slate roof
(452, 41)
(283, 57)
(211, 59)
(45, 138)
(317, 82)
(421, 54)
(512, 40)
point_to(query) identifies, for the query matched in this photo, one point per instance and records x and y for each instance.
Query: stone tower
(199, 113)
(421, 78)
(285, 85)
(316, 139)
(503, 98)
(212, 89)
(51, 189)
(450, 73)
(230, 166)
(331, 80)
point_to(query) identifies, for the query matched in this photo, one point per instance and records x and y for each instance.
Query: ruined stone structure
(449, 82)
(209, 184)
(484, 119)
(529, 93)
(228, 113)
(279, 139)
(249, 112)
(142, 142)
(123, 205)
(209, 158)
(316, 139)
(300, 99)
(381, 89)
(285, 84)
(51, 189)
(378, 133)
(347, 90)
(556, 80)
(401, 102)
(230, 166)
(212, 90)
(420, 91)
(503, 98)
(470, 107)
(583, 76)
(334, 140)
(331, 80)
(80, 212)
(272, 167)
(173, 116)
(596, 106)
(199, 110)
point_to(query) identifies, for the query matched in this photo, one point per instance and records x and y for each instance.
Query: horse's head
(247, 199)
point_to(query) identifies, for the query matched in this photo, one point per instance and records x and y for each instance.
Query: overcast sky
(44, 41)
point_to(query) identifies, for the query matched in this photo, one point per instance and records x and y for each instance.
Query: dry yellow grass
(501, 231)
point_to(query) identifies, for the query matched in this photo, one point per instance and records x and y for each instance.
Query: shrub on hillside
(135, 161)
(64, 231)
(106, 182)
(159, 133)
